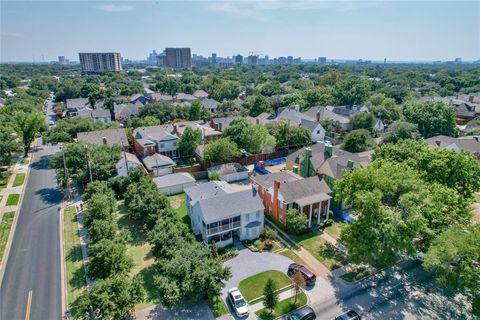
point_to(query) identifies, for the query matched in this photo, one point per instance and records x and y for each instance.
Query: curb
(63, 268)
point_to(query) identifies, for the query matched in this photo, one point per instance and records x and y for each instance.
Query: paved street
(32, 274)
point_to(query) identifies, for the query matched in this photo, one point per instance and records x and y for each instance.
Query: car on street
(349, 315)
(305, 313)
(51, 123)
(238, 302)
(309, 276)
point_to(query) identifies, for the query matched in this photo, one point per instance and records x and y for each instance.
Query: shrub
(296, 221)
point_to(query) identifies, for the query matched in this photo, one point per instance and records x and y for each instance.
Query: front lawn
(4, 180)
(19, 179)
(283, 307)
(178, 204)
(76, 282)
(292, 255)
(12, 199)
(335, 228)
(252, 287)
(5, 227)
(322, 250)
(24, 162)
(218, 307)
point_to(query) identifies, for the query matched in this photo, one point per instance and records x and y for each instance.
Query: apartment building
(93, 63)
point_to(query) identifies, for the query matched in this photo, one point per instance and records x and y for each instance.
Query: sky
(396, 30)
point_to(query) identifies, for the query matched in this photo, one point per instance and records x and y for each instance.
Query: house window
(162, 145)
(174, 144)
(318, 131)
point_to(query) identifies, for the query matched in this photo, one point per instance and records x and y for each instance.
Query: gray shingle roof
(468, 143)
(266, 180)
(130, 158)
(157, 160)
(207, 190)
(112, 136)
(228, 168)
(298, 189)
(210, 103)
(155, 133)
(173, 179)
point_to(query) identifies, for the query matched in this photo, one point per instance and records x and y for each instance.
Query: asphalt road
(33, 266)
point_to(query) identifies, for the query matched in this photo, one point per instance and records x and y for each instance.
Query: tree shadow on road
(50, 195)
(41, 164)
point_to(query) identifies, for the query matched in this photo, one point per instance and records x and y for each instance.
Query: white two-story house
(218, 213)
(156, 139)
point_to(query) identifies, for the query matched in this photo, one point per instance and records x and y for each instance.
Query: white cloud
(115, 8)
(10, 34)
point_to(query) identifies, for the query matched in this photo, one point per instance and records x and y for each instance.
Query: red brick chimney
(276, 186)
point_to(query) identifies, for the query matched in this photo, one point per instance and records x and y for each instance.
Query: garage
(175, 183)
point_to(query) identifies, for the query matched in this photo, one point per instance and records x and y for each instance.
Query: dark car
(349, 315)
(305, 313)
(308, 275)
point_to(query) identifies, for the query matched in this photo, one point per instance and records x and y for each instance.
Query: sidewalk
(282, 296)
(10, 189)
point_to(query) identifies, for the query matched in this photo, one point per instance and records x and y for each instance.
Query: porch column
(310, 217)
(328, 210)
(319, 212)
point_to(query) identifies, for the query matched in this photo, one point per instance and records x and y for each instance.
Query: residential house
(218, 213)
(466, 110)
(468, 143)
(229, 172)
(293, 116)
(184, 97)
(286, 190)
(160, 139)
(127, 162)
(208, 133)
(139, 98)
(73, 106)
(220, 124)
(105, 137)
(174, 183)
(126, 111)
(379, 126)
(340, 122)
(159, 164)
(211, 105)
(99, 114)
(200, 94)
(158, 97)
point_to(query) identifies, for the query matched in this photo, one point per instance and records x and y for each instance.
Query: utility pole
(88, 164)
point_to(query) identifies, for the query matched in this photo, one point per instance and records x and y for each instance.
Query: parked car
(51, 123)
(238, 303)
(309, 276)
(305, 313)
(349, 315)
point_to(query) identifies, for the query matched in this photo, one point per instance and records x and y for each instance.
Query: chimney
(328, 149)
(470, 98)
(104, 140)
(257, 121)
(276, 186)
(297, 109)
(175, 129)
(350, 164)
(318, 115)
(220, 127)
(438, 142)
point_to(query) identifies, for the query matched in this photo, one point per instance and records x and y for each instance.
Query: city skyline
(41, 31)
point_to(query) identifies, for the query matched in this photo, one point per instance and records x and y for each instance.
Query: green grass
(76, 282)
(24, 162)
(139, 249)
(12, 199)
(4, 180)
(335, 229)
(218, 307)
(292, 255)
(322, 250)
(19, 179)
(5, 227)
(252, 287)
(283, 307)
(178, 204)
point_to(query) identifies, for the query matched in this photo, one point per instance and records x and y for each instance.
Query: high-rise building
(214, 58)
(61, 60)
(322, 60)
(238, 59)
(290, 60)
(178, 58)
(152, 58)
(92, 63)
(252, 60)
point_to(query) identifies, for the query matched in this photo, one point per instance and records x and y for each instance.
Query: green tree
(147, 121)
(269, 88)
(99, 206)
(235, 130)
(214, 250)
(270, 295)
(107, 258)
(27, 125)
(8, 144)
(102, 229)
(318, 97)
(363, 120)
(293, 99)
(256, 139)
(215, 176)
(189, 141)
(198, 111)
(296, 221)
(257, 105)
(358, 141)
(351, 91)
(401, 130)
(222, 150)
(454, 256)
(291, 136)
(66, 129)
(431, 118)
(385, 108)
(169, 86)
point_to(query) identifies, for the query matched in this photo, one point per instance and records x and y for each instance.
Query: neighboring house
(465, 106)
(467, 143)
(326, 161)
(157, 97)
(127, 162)
(159, 164)
(229, 172)
(156, 139)
(174, 183)
(184, 97)
(127, 111)
(74, 106)
(217, 213)
(102, 115)
(340, 122)
(208, 133)
(293, 116)
(139, 98)
(211, 105)
(200, 94)
(379, 126)
(221, 124)
(105, 137)
(285, 190)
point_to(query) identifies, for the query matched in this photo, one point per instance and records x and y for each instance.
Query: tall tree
(27, 125)
(189, 141)
(363, 120)
(350, 91)
(298, 282)
(431, 118)
(401, 130)
(222, 150)
(107, 258)
(270, 296)
(358, 141)
(198, 111)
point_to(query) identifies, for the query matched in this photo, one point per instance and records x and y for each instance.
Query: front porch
(223, 239)
(316, 207)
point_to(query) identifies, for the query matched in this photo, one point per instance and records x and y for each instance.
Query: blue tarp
(274, 162)
(342, 215)
(260, 169)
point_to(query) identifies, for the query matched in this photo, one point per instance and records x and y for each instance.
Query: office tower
(322, 60)
(238, 59)
(92, 63)
(252, 60)
(290, 60)
(152, 58)
(214, 58)
(61, 60)
(178, 58)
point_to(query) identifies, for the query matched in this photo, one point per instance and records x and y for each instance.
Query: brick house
(156, 139)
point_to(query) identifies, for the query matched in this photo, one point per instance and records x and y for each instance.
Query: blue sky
(397, 30)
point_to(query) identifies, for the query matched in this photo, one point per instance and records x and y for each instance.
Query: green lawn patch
(178, 204)
(292, 255)
(218, 307)
(322, 251)
(4, 180)
(335, 229)
(19, 179)
(12, 199)
(283, 307)
(252, 287)
(24, 162)
(76, 282)
(5, 227)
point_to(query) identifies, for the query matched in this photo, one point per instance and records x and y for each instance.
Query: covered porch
(316, 207)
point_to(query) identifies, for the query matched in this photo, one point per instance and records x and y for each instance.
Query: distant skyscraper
(458, 60)
(384, 60)
(238, 59)
(252, 60)
(152, 58)
(178, 58)
(92, 63)
(290, 60)
(61, 60)
(214, 58)
(322, 60)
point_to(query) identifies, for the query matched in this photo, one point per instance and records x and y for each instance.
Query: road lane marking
(29, 305)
